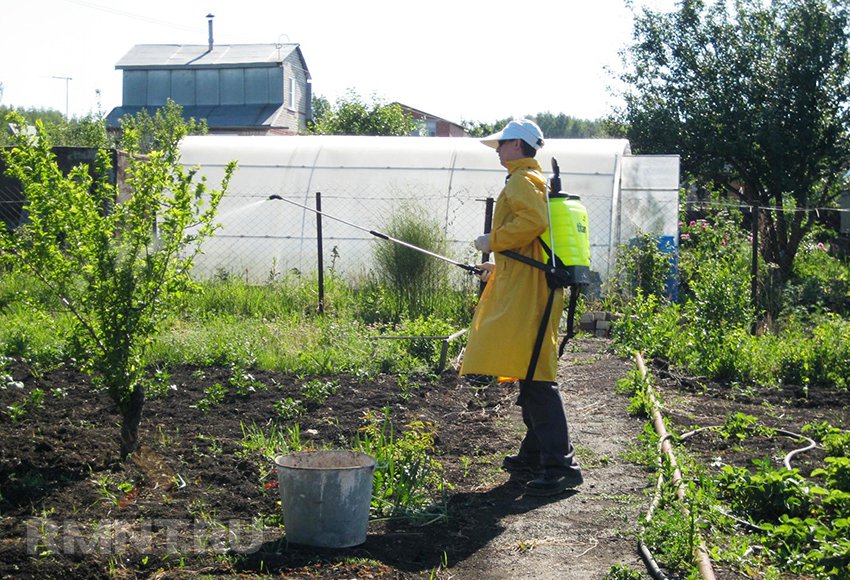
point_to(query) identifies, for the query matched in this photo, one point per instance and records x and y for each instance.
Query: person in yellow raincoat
(508, 316)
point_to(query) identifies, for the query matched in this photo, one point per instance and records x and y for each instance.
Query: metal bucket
(326, 497)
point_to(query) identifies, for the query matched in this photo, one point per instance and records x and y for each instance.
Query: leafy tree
(120, 269)
(90, 130)
(564, 126)
(558, 126)
(350, 115)
(754, 96)
(320, 107)
(156, 131)
(87, 131)
(482, 129)
(49, 118)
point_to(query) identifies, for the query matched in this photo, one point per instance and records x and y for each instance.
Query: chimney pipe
(210, 16)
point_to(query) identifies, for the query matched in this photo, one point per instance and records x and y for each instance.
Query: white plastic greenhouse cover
(369, 180)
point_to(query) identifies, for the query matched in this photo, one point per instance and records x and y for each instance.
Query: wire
(722, 205)
(131, 15)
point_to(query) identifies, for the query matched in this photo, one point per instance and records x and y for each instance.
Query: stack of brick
(597, 323)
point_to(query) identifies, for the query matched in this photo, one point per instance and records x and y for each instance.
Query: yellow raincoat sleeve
(508, 316)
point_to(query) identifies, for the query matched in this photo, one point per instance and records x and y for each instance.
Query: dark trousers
(547, 437)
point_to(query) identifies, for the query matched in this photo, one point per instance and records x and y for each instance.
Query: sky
(463, 60)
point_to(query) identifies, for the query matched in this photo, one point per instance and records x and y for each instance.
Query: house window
(292, 102)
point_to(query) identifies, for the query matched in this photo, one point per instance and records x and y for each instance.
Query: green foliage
(648, 325)
(33, 401)
(753, 96)
(408, 479)
(554, 126)
(243, 382)
(144, 133)
(821, 282)
(118, 267)
(636, 386)
(835, 441)
(640, 267)
(159, 385)
(416, 282)
(709, 332)
(673, 532)
(767, 494)
(836, 473)
(317, 390)
(269, 441)
(714, 261)
(87, 131)
(740, 426)
(807, 546)
(288, 408)
(213, 395)
(350, 115)
(483, 129)
(428, 351)
(622, 572)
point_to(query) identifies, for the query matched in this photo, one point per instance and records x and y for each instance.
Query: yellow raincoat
(507, 318)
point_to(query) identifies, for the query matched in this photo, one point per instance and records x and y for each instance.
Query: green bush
(416, 282)
(648, 325)
(767, 494)
(820, 281)
(641, 267)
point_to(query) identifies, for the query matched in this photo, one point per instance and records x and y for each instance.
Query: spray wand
(467, 267)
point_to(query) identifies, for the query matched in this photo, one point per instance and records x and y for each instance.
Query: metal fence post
(488, 222)
(321, 261)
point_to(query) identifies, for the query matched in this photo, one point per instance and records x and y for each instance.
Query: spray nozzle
(555, 182)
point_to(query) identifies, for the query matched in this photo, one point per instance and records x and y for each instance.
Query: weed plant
(408, 482)
(416, 283)
(641, 267)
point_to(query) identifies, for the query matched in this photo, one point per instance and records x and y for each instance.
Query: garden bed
(194, 500)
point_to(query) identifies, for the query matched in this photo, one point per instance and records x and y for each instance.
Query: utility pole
(67, 80)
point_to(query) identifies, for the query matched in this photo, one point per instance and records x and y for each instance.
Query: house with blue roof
(241, 89)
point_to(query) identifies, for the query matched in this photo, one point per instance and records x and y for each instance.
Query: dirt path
(579, 535)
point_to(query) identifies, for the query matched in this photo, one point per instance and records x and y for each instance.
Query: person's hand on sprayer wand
(502, 338)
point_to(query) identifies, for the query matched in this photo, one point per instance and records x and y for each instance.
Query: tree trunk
(131, 417)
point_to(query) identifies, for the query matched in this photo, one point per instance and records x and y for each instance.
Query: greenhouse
(446, 181)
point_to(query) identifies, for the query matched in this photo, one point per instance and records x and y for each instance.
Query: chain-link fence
(262, 237)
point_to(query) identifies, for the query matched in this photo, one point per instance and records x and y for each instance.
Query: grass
(275, 327)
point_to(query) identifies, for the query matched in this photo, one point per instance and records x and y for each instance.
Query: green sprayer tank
(569, 231)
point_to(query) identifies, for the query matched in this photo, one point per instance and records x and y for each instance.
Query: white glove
(482, 243)
(487, 269)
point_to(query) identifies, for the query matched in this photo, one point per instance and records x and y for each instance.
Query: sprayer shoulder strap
(525, 259)
(544, 323)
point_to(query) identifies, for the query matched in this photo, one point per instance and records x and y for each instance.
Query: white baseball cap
(524, 129)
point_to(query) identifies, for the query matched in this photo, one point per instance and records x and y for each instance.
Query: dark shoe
(517, 465)
(554, 483)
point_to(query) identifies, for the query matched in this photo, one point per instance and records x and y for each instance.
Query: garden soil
(193, 502)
